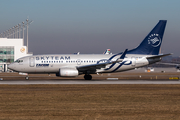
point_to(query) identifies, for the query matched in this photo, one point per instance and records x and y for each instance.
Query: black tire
(87, 77)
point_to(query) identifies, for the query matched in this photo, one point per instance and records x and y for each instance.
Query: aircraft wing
(93, 67)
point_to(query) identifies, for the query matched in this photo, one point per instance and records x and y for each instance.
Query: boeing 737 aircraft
(72, 65)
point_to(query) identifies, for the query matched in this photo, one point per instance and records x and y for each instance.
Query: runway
(114, 78)
(32, 82)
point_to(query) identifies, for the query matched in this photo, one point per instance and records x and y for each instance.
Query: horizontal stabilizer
(158, 56)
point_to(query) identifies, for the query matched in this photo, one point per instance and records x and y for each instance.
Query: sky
(92, 26)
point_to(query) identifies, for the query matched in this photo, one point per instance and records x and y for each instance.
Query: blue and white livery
(71, 65)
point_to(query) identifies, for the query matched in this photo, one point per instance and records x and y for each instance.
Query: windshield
(19, 61)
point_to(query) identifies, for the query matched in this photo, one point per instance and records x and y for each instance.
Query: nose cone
(11, 66)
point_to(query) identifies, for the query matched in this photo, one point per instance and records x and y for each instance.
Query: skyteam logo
(154, 40)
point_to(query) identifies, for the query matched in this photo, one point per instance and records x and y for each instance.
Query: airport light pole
(23, 33)
(27, 35)
(19, 30)
(14, 31)
(10, 33)
(4, 34)
(7, 33)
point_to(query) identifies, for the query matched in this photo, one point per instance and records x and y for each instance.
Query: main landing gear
(87, 77)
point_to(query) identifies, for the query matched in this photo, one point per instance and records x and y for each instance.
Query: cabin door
(31, 62)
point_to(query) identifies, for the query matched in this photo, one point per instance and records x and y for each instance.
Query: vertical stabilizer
(107, 51)
(152, 42)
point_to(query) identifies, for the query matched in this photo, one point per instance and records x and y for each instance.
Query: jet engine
(67, 72)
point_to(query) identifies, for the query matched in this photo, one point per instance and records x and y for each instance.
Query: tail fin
(107, 51)
(152, 42)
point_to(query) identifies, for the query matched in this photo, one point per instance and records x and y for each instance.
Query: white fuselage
(52, 63)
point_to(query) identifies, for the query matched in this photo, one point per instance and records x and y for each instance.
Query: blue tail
(152, 42)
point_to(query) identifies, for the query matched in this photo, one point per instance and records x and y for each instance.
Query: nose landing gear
(27, 78)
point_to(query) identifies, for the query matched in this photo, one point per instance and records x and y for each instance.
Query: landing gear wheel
(87, 77)
(27, 78)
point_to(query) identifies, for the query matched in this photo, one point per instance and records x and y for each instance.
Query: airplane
(107, 51)
(72, 65)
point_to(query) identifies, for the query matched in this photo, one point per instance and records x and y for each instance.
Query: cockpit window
(19, 61)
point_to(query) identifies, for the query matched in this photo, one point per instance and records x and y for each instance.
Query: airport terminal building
(10, 50)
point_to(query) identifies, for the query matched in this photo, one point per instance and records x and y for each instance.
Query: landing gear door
(31, 62)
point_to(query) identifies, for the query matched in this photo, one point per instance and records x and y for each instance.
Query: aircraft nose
(11, 66)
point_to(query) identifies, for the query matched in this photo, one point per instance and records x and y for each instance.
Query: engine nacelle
(178, 67)
(67, 72)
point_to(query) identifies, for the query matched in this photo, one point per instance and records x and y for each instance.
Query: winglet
(124, 54)
(121, 58)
